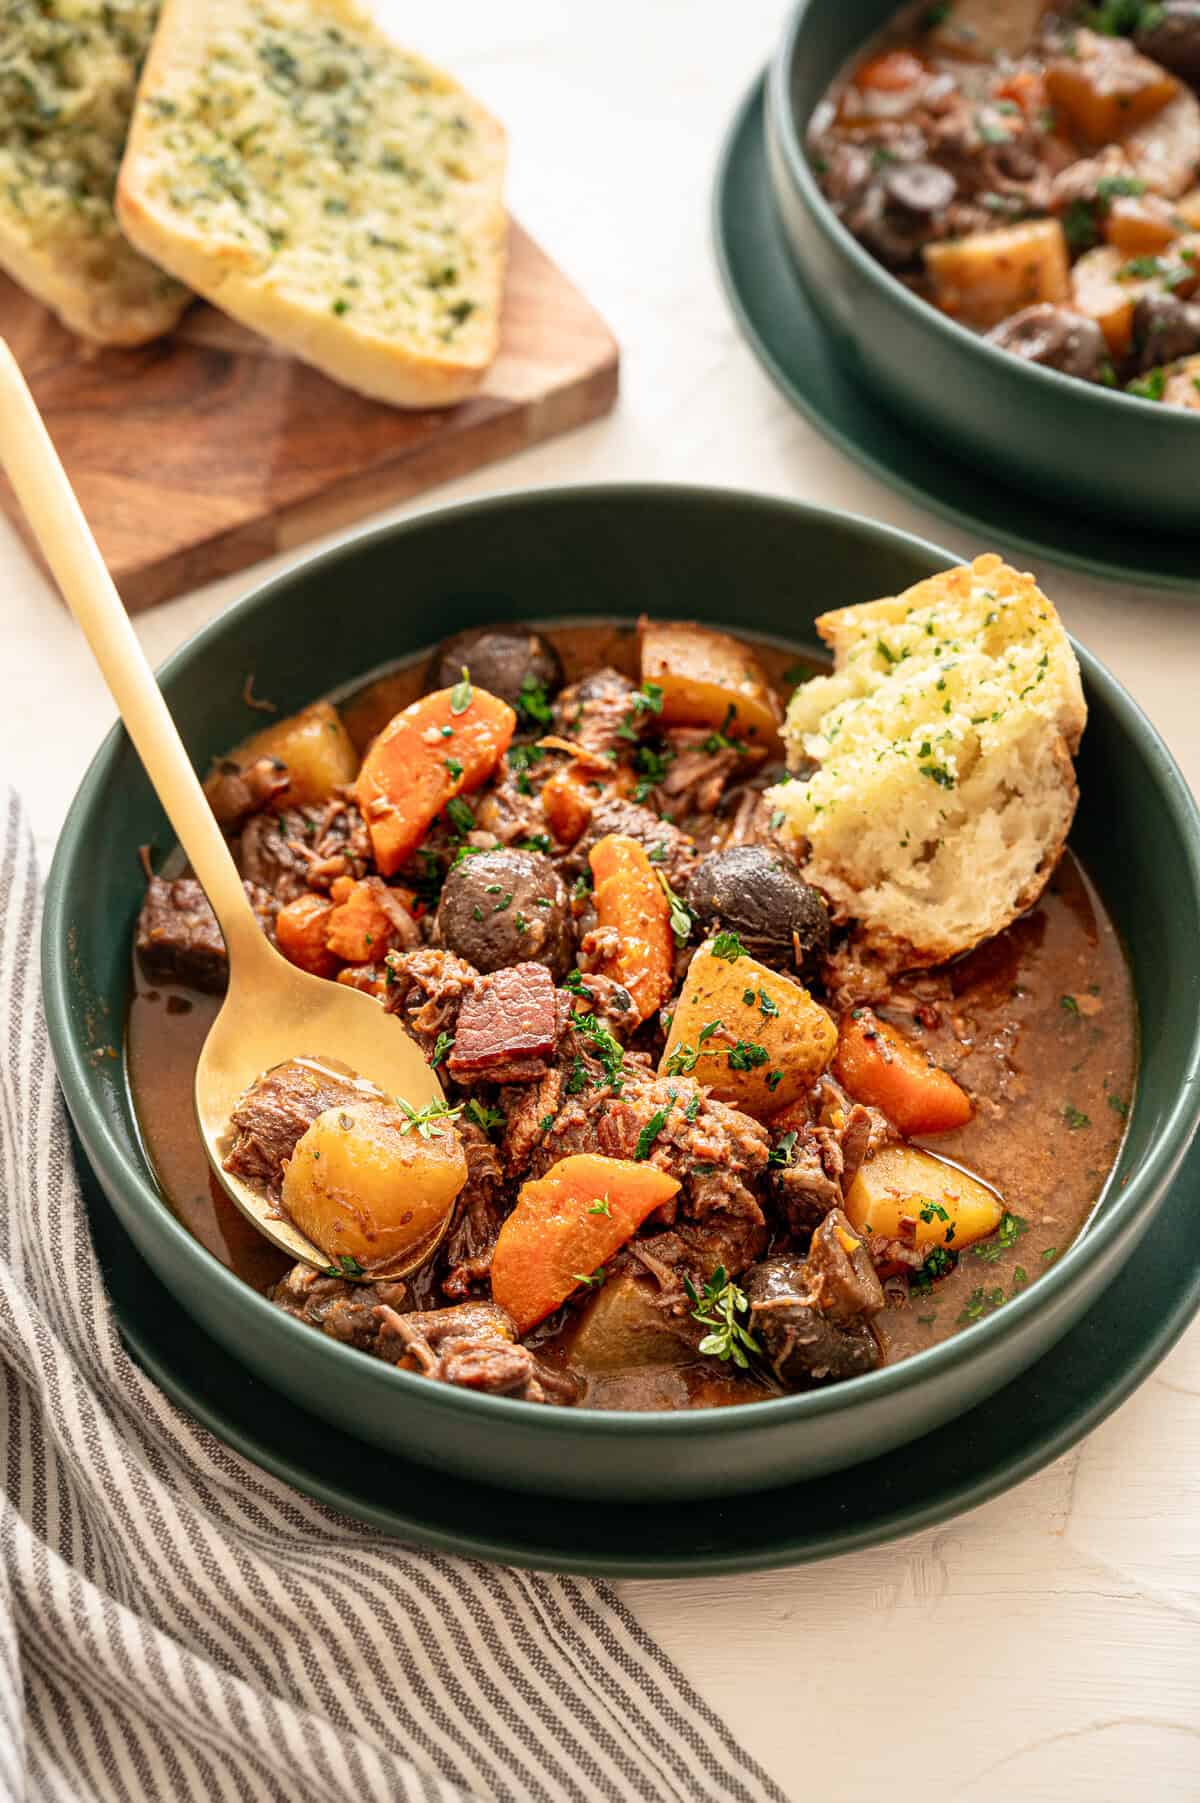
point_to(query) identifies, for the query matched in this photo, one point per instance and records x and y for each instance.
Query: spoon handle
(56, 518)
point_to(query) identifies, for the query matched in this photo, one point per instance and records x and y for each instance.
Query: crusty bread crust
(944, 738)
(295, 296)
(72, 73)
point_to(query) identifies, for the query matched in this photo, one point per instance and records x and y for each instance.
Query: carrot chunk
(445, 744)
(567, 802)
(566, 1225)
(361, 928)
(300, 934)
(630, 898)
(878, 1066)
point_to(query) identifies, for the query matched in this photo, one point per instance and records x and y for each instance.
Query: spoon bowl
(272, 1011)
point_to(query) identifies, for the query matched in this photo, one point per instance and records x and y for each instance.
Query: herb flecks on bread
(331, 190)
(68, 71)
(944, 787)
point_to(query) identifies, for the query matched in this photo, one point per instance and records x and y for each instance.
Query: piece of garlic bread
(326, 187)
(944, 788)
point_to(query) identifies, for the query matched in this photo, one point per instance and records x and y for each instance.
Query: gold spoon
(272, 1011)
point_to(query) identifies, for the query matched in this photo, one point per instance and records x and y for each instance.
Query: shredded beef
(345, 1311)
(426, 988)
(474, 1346)
(478, 1213)
(274, 1114)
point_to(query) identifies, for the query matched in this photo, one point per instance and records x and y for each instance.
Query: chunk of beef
(529, 1112)
(475, 1223)
(813, 1314)
(813, 1172)
(474, 1346)
(345, 1311)
(669, 850)
(178, 939)
(841, 1278)
(507, 1027)
(697, 773)
(269, 851)
(598, 712)
(276, 1111)
(234, 792)
(426, 989)
(610, 1002)
(717, 1152)
(693, 1251)
(804, 1346)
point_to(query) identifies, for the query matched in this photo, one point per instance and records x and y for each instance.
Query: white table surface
(1048, 1644)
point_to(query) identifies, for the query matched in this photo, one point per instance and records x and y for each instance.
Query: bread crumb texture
(943, 790)
(335, 191)
(68, 70)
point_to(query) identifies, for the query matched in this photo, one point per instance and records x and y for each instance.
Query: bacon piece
(507, 1027)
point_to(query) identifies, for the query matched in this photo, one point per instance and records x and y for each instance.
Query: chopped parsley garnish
(533, 704)
(723, 1307)
(483, 1116)
(441, 1046)
(600, 1207)
(461, 694)
(545, 1124)
(1049, 1255)
(536, 842)
(781, 1152)
(1151, 386)
(980, 1302)
(1068, 1004)
(692, 1109)
(594, 1281)
(504, 903)
(747, 1056)
(765, 1005)
(1113, 187)
(1075, 1118)
(934, 1210)
(347, 1266)
(652, 1129)
(727, 946)
(1006, 1235)
(575, 983)
(454, 767)
(605, 1049)
(1118, 1106)
(459, 815)
(523, 757)
(421, 1120)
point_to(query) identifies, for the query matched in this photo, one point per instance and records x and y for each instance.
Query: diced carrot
(341, 888)
(445, 744)
(300, 934)
(875, 1064)
(568, 803)
(1027, 88)
(566, 1225)
(361, 928)
(630, 898)
(890, 72)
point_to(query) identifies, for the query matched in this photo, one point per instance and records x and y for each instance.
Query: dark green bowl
(763, 566)
(1104, 452)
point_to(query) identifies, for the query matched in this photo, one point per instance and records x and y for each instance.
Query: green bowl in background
(1095, 449)
(756, 565)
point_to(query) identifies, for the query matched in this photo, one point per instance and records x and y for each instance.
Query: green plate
(773, 309)
(1022, 1428)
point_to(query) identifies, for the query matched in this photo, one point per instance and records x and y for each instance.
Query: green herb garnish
(723, 1307)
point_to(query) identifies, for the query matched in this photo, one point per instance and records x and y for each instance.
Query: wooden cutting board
(209, 450)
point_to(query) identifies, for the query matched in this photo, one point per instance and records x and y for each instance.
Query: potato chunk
(945, 1205)
(1183, 384)
(1165, 150)
(313, 744)
(708, 679)
(979, 280)
(367, 1185)
(1106, 285)
(755, 1037)
(1105, 87)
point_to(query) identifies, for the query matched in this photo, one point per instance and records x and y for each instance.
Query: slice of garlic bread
(68, 71)
(329, 189)
(944, 788)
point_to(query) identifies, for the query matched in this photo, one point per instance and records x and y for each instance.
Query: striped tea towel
(176, 1624)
